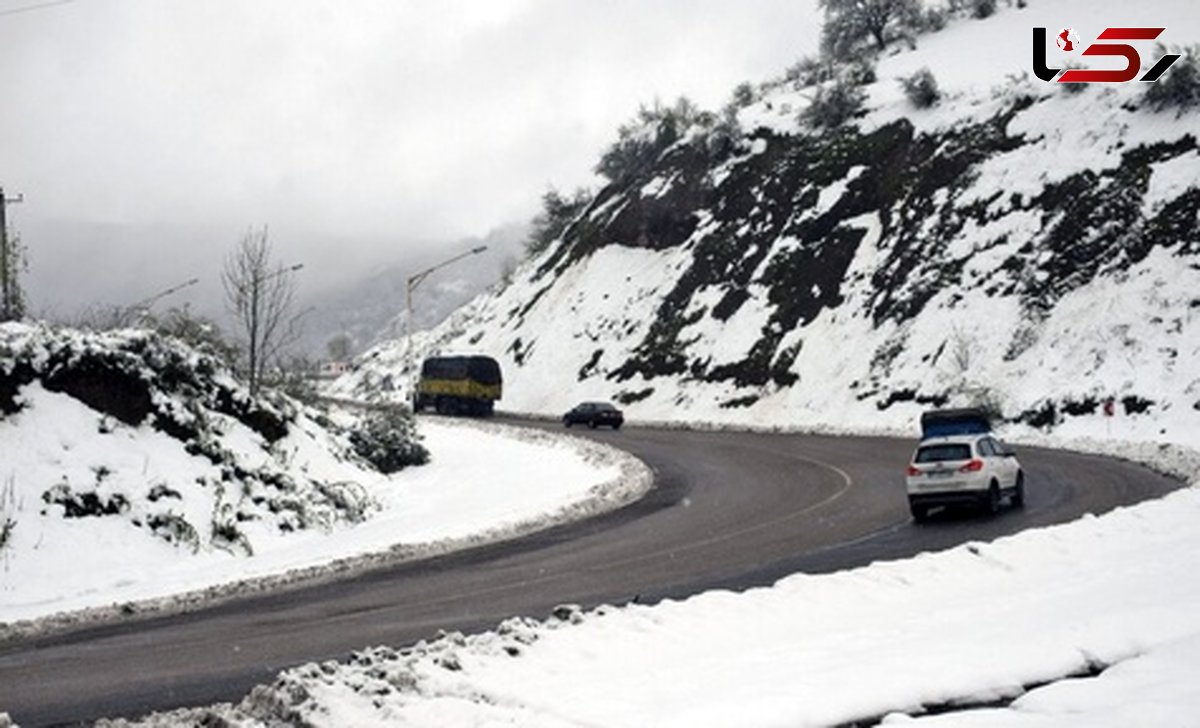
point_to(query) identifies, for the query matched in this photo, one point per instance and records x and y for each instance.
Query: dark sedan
(595, 414)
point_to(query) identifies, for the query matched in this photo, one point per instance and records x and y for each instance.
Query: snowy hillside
(365, 307)
(1015, 245)
(139, 474)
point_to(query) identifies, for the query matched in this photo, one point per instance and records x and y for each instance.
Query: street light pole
(142, 307)
(413, 282)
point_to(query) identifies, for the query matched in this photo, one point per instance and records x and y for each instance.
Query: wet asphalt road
(729, 510)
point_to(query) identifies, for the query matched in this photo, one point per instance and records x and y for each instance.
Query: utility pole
(8, 264)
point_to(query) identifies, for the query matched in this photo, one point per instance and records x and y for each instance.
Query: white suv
(955, 469)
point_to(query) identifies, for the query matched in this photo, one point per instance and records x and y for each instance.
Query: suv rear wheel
(1018, 496)
(992, 503)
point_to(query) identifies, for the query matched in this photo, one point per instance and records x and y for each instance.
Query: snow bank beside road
(1111, 600)
(485, 483)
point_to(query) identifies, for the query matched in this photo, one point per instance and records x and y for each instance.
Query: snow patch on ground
(517, 481)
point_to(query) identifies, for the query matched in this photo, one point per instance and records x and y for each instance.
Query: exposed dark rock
(1082, 407)
(631, 397)
(1135, 405)
(761, 225)
(1043, 417)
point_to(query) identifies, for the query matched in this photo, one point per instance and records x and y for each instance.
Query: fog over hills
(371, 307)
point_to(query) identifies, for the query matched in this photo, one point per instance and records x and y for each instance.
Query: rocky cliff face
(1020, 247)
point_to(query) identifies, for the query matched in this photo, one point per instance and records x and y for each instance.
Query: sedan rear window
(938, 453)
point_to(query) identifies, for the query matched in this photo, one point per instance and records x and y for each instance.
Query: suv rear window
(938, 453)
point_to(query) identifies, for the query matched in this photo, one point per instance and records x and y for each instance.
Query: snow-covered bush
(642, 140)
(84, 503)
(921, 88)
(744, 94)
(249, 455)
(932, 19)
(134, 376)
(388, 439)
(809, 71)
(1180, 87)
(980, 9)
(858, 72)
(174, 529)
(834, 104)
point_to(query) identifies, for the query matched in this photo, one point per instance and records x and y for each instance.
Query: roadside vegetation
(387, 438)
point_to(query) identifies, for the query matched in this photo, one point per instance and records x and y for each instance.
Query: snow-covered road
(1094, 622)
(881, 613)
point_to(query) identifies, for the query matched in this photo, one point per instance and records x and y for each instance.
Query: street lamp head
(478, 250)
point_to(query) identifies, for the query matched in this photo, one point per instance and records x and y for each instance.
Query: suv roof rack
(946, 422)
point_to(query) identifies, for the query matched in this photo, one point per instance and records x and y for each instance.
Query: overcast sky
(148, 135)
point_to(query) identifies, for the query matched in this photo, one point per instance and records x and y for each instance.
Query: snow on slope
(111, 518)
(1016, 245)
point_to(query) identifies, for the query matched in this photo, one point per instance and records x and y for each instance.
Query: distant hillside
(1016, 245)
(371, 307)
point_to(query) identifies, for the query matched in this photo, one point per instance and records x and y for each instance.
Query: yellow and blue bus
(459, 385)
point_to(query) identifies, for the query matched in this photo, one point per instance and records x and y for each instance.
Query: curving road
(729, 509)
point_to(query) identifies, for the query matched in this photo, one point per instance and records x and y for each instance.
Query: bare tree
(848, 22)
(259, 293)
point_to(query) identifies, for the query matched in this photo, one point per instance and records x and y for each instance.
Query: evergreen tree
(558, 211)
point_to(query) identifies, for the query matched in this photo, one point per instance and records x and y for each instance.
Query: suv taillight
(914, 471)
(972, 467)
